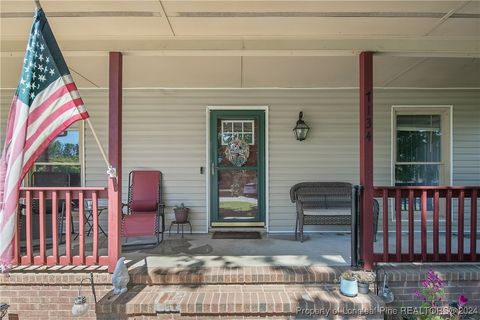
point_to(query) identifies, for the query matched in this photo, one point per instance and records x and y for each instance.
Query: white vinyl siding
(166, 130)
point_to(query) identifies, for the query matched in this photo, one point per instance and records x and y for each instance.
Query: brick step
(236, 300)
(240, 275)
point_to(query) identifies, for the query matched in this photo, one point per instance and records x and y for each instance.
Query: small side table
(178, 227)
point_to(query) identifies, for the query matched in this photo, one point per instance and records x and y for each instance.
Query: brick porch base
(228, 293)
(232, 300)
(246, 292)
(48, 292)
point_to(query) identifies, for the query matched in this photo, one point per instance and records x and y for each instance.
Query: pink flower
(462, 300)
(417, 294)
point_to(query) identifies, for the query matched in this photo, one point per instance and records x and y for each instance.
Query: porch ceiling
(270, 43)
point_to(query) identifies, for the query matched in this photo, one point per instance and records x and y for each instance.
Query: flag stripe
(4, 158)
(45, 98)
(12, 130)
(14, 159)
(50, 119)
(35, 124)
(62, 86)
(14, 156)
(7, 231)
(11, 119)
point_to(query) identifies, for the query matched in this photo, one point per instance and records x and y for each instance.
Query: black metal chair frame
(88, 212)
(89, 221)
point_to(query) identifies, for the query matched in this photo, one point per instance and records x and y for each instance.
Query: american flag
(45, 104)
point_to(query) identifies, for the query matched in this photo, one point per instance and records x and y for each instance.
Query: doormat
(236, 235)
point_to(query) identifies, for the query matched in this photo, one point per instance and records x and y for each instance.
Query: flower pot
(363, 287)
(181, 215)
(348, 287)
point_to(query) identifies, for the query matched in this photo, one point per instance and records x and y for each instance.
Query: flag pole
(111, 170)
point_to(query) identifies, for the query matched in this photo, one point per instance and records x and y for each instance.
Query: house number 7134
(368, 119)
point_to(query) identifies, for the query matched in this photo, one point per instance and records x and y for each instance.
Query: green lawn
(237, 205)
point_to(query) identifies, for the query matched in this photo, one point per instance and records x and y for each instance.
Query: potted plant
(181, 213)
(348, 284)
(364, 279)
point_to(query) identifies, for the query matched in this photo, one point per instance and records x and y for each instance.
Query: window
(238, 129)
(418, 150)
(64, 154)
(421, 148)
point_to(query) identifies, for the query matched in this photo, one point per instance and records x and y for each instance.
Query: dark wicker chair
(334, 199)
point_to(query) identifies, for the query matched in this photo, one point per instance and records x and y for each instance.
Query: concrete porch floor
(321, 249)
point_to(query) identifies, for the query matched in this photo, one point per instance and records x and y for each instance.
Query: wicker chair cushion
(327, 212)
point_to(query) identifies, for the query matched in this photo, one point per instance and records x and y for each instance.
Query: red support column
(366, 159)
(115, 158)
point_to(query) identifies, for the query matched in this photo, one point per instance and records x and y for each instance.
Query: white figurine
(120, 277)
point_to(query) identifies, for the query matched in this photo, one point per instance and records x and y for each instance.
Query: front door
(237, 168)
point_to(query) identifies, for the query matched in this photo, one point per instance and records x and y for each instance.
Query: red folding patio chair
(144, 207)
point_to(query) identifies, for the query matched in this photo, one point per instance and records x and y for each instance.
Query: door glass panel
(237, 143)
(237, 194)
(237, 127)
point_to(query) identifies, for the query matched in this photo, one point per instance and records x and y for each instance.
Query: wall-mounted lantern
(301, 129)
(3, 310)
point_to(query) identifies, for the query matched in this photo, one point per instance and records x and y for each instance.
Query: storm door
(237, 168)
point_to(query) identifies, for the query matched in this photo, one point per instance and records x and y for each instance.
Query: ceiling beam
(322, 14)
(299, 37)
(85, 14)
(258, 53)
(419, 47)
(253, 14)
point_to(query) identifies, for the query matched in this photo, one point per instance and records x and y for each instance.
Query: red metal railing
(444, 208)
(58, 246)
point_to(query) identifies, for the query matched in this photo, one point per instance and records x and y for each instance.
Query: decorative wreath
(237, 152)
